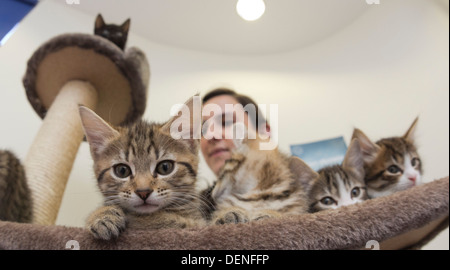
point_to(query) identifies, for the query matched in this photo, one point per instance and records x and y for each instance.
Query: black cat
(115, 33)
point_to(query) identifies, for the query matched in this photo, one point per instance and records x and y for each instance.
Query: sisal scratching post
(48, 168)
(65, 72)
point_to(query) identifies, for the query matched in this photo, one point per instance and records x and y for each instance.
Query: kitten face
(334, 188)
(146, 173)
(142, 168)
(340, 185)
(397, 167)
(117, 34)
(391, 164)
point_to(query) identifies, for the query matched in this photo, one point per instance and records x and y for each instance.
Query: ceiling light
(250, 10)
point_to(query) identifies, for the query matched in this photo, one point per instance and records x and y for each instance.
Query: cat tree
(65, 72)
(75, 68)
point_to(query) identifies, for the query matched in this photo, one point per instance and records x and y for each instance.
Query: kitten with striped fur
(147, 178)
(391, 164)
(256, 184)
(339, 185)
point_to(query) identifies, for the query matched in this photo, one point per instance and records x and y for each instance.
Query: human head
(218, 149)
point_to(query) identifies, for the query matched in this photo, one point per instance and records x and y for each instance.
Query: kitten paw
(231, 217)
(107, 223)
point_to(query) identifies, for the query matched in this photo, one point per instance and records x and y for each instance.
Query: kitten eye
(105, 32)
(415, 162)
(118, 34)
(355, 192)
(165, 167)
(327, 201)
(394, 169)
(122, 170)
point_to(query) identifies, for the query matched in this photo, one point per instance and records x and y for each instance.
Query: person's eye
(227, 123)
(204, 129)
(227, 120)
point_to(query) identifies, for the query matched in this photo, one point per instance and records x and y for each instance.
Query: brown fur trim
(344, 228)
(132, 64)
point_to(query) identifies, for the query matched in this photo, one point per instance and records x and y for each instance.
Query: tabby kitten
(147, 178)
(15, 199)
(257, 184)
(339, 185)
(391, 164)
(117, 34)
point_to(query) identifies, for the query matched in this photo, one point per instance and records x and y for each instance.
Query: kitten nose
(412, 178)
(143, 193)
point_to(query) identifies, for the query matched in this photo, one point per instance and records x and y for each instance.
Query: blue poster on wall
(11, 12)
(321, 153)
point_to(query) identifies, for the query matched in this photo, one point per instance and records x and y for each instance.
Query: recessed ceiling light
(250, 10)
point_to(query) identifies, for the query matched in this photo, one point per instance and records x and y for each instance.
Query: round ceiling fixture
(250, 10)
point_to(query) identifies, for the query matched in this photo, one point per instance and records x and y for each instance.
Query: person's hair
(241, 99)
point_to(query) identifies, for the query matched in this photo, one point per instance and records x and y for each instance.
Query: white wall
(377, 74)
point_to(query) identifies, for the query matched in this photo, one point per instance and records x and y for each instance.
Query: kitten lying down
(391, 164)
(369, 170)
(256, 184)
(339, 185)
(147, 178)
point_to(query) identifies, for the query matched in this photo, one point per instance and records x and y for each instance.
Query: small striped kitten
(391, 164)
(256, 184)
(147, 178)
(339, 185)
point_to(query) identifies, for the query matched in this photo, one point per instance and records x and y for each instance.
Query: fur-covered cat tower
(77, 69)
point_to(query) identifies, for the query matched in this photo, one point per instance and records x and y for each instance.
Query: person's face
(218, 149)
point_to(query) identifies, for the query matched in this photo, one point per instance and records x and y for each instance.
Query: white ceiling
(214, 26)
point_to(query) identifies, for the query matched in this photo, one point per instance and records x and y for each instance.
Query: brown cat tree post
(67, 71)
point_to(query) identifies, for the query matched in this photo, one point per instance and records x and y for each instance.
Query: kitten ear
(97, 131)
(353, 160)
(126, 26)
(368, 148)
(186, 124)
(302, 172)
(410, 134)
(99, 22)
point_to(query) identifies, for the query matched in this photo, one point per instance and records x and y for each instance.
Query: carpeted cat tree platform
(77, 69)
(404, 220)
